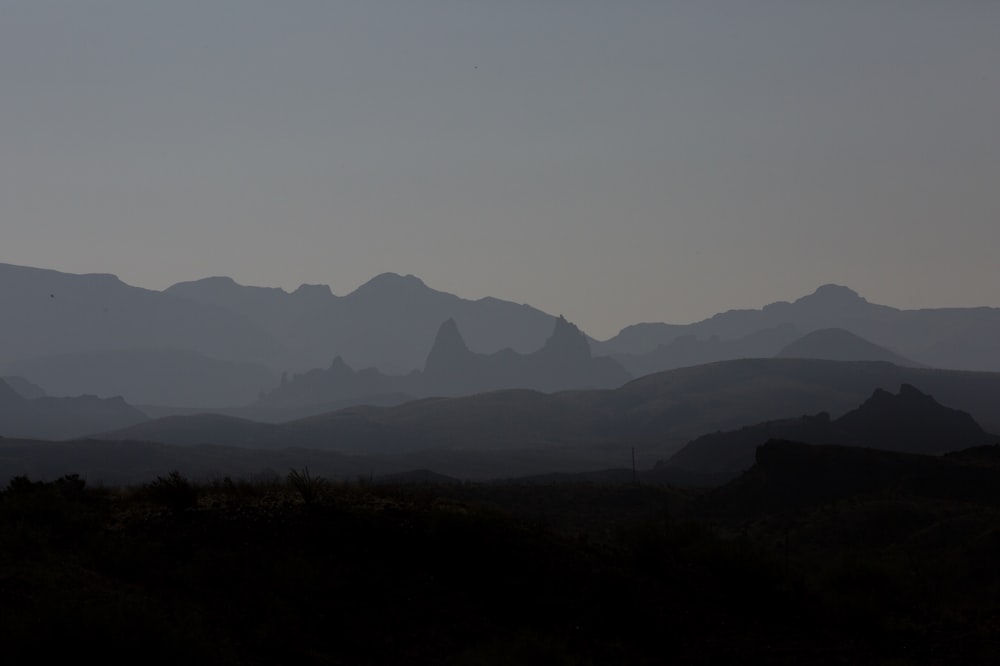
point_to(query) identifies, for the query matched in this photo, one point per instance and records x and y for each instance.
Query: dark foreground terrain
(787, 564)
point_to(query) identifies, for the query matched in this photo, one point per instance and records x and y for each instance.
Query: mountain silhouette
(149, 376)
(530, 432)
(788, 476)
(62, 418)
(387, 323)
(909, 422)
(837, 344)
(338, 382)
(687, 350)
(24, 388)
(956, 338)
(563, 362)
(47, 313)
(226, 337)
(912, 422)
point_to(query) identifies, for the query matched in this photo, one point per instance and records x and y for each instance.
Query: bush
(174, 492)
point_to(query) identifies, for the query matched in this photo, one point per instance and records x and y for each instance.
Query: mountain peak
(313, 290)
(214, 281)
(838, 344)
(390, 282)
(449, 347)
(8, 395)
(567, 341)
(834, 295)
(911, 421)
(340, 366)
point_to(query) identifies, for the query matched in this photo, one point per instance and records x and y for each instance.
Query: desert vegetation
(301, 570)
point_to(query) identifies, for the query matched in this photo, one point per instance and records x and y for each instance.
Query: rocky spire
(567, 343)
(449, 348)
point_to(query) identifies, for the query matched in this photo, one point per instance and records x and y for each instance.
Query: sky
(614, 162)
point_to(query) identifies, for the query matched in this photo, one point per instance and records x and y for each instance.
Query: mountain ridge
(910, 421)
(656, 414)
(955, 338)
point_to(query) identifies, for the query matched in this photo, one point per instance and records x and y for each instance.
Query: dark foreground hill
(120, 463)
(792, 476)
(819, 555)
(909, 422)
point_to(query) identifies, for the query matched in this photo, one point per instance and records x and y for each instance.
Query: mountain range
(46, 417)
(213, 343)
(954, 338)
(452, 369)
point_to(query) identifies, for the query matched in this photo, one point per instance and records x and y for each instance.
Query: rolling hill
(656, 414)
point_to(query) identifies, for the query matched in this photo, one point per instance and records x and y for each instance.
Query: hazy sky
(611, 161)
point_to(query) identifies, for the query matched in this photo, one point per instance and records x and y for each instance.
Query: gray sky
(611, 161)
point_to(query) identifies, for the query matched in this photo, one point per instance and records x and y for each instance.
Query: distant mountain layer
(452, 369)
(911, 422)
(61, 418)
(687, 349)
(57, 324)
(149, 376)
(656, 414)
(958, 338)
(225, 337)
(48, 313)
(388, 323)
(24, 388)
(836, 344)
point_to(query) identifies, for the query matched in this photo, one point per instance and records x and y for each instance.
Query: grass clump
(307, 486)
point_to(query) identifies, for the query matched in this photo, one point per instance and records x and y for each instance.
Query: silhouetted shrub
(308, 487)
(71, 487)
(21, 485)
(174, 492)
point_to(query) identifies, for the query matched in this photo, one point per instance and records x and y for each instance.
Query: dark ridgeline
(787, 476)
(909, 422)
